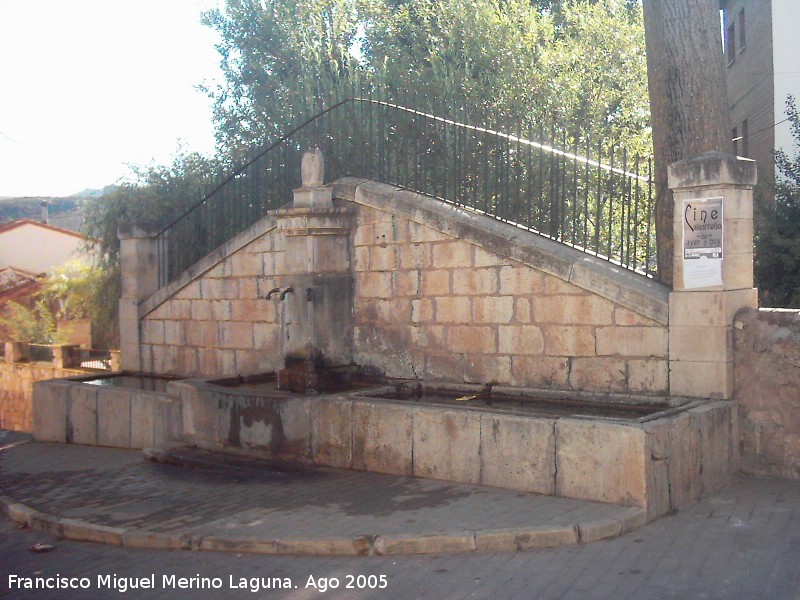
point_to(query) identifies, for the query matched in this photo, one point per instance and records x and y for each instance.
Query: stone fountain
(315, 291)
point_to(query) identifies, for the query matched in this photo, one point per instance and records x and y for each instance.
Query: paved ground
(313, 511)
(741, 543)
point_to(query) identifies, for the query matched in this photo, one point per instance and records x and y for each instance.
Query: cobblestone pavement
(741, 543)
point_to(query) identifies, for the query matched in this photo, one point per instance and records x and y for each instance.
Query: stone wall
(219, 322)
(439, 294)
(16, 391)
(767, 380)
(436, 302)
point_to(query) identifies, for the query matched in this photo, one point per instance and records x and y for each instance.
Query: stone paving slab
(116, 497)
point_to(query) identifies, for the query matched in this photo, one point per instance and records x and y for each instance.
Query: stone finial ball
(312, 168)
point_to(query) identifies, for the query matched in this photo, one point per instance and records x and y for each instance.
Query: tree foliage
(154, 194)
(80, 291)
(510, 63)
(278, 59)
(777, 249)
(34, 325)
(69, 289)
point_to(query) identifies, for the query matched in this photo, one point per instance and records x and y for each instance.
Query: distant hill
(62, 212)
(93, 193)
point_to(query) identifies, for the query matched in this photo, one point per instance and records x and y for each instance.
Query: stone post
(139, 272)
(708, 292)
(317, 314)
(16, 352)
(115, 360)
(64, 356)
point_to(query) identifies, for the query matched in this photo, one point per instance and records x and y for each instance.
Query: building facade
(37, 247)
(762, 51)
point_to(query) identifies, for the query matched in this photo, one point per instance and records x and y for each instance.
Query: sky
(88, 87)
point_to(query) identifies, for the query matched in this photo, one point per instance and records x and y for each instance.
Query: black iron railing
(93, 359)
(40, 353)
(573, 190)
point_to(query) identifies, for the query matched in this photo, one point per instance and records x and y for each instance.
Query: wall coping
(635, 292)
(782, 317)
(712, 169)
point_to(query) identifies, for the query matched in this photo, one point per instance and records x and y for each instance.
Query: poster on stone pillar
(702, 242)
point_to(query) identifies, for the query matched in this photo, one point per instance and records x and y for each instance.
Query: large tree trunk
(688, 97)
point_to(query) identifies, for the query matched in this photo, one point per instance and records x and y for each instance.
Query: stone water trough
(659, 453)
(120, 410)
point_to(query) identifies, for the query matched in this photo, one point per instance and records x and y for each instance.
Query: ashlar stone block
(632, 341)
(332, 432)
(452, 254)
(518, 453)
(447, 445)
(49, 420)
(493, 309)
(114, 419)
(601, 461)
(604, 374)
(142, 420)
(453, 309)
(520, 340)
(83, 414)
(475, 281)
(548, 371)
(471, 339)
(382, 438)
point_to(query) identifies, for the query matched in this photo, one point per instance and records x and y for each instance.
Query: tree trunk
(688, 97)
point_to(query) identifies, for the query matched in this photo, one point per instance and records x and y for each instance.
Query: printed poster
(702, 242)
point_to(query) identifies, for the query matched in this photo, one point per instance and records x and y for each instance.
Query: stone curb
(447, 542)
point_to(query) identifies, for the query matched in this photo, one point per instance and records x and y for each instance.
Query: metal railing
(582, 193)
(40, 353)
(93, 359)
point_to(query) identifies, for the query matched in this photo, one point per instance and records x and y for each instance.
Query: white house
(37, 247)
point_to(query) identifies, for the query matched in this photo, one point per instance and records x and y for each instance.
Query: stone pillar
(317, 314)
(64, 356)
(139, 272)
(701, 316)
(17, 352)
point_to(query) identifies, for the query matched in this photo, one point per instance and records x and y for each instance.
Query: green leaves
(155, 194)
(777, 248)
(578, 63)
(279, 58)
(33, 325)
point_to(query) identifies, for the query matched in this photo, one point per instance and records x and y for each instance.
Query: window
(742, 37)
(735, 139)
(745, 145)
(730, 43)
